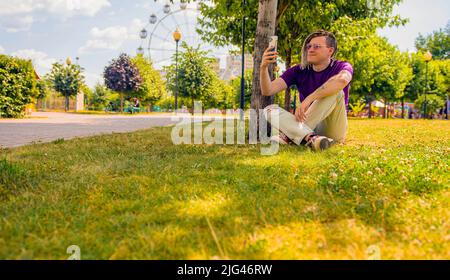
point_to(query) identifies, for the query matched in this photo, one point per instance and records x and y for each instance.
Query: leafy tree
(438, 43)
(221, 24)
(438, 77)
(380, 69)
(195, 76)
(67, 79)
(99, 98)
(43, 87)
(152, 87)
(87, 91)
(434, 102)
(223, 95)
(236, 84)
(392, 75)
(18, 86)
(166, 102)
(122, 76)
(443, 69)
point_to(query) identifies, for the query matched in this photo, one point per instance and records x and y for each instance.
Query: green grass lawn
(137, 196)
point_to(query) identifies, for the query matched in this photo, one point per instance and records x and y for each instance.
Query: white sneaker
(319, 143)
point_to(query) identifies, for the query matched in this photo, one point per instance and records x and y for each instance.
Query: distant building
(216, 65)
(233, 67)
(231, 70)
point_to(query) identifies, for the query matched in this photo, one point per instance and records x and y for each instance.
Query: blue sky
(98, 30)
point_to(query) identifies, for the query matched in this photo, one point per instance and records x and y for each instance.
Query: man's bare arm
(268, 87)
(334, 85)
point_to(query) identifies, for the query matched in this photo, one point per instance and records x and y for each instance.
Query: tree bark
(369, 100)
(287, 93)
(403, 107)
(121, 102)
(67, 103)
(267, 13)
(385, 108)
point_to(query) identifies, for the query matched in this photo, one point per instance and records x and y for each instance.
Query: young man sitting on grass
(323, 82)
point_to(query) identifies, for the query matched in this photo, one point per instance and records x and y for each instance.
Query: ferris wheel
(158, 36)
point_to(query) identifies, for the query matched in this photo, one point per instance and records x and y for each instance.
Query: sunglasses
(315, 46)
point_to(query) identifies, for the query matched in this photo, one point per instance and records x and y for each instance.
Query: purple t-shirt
(307, 80)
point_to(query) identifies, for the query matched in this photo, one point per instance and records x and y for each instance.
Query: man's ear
(332, 50)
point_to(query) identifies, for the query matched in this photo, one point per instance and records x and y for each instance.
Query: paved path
(47, 127)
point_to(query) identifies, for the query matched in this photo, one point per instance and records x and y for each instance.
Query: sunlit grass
(138, 196)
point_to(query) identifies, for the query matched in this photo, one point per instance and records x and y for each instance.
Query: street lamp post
(177, 38)
(427, 57)
(242, 99)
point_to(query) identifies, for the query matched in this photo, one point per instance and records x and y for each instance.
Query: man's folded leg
(287, 124)
(324, 115)
(321, 109)
(335, 126)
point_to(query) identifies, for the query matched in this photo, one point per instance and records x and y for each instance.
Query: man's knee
(268, 110)
(338, 95)
(330, 100)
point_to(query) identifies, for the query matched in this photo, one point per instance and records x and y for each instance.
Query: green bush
(18, 86)
(100, 98)
(434, 103)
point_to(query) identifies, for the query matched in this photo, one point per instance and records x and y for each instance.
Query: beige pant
(325, 117)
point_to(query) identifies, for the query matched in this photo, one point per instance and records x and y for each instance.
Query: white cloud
(134, 29)
(43, 64)
(111, 38)
(2, 50)
(92, 79)
(16, 23)
(19, 15)
(12, 8)
(70, 8)
(41, 61)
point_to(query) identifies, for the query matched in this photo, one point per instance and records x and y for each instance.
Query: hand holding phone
(273, 45)
(270, 54)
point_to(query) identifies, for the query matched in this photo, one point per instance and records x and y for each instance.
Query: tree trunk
(385, 109)
(267, 13)
(403, 107)
(67, 103)
(121, 102)
(287, 93)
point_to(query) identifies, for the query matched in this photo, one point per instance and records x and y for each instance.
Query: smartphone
(273, 45)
